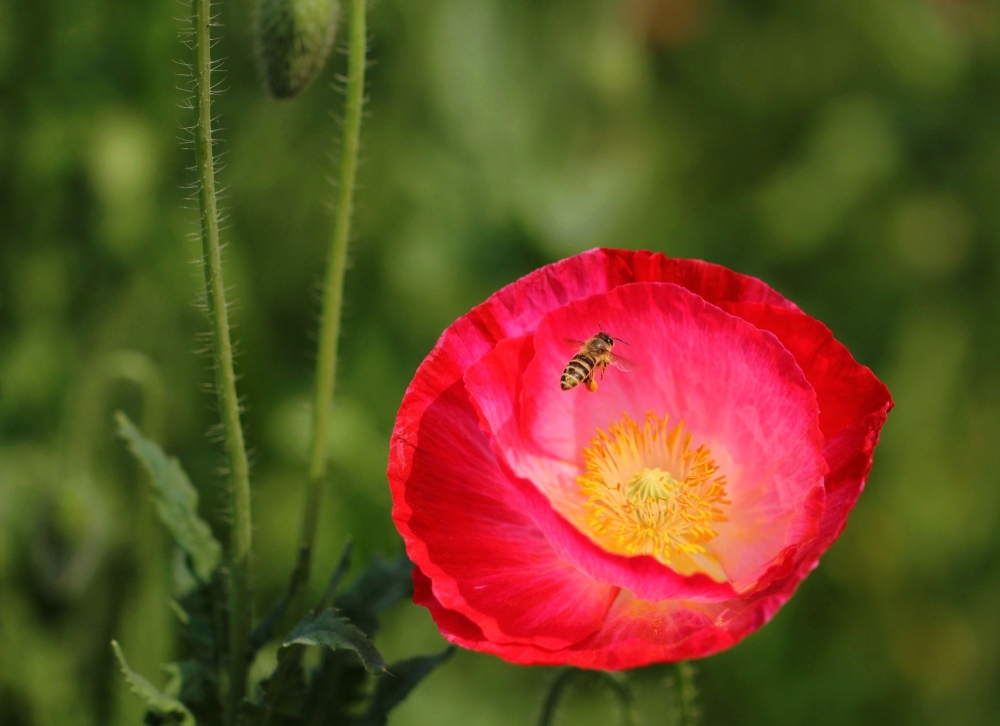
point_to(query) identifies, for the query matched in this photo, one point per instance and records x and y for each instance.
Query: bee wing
(574, 341)
(622, 364)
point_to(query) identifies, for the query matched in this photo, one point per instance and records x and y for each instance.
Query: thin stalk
(225, 379)
(558, 687)
(329, 333)
(554, 694)
(687, 694)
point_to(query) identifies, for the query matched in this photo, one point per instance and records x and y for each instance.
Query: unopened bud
(294, 38)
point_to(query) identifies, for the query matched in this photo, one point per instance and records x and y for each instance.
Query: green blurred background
(845, 151)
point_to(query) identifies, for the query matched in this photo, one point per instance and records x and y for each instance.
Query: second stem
(326, 367)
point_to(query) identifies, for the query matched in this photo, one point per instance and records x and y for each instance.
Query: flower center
(649, 493)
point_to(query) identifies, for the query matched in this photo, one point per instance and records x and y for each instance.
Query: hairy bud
(294, 38)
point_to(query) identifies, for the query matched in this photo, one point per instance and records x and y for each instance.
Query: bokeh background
(845, 151)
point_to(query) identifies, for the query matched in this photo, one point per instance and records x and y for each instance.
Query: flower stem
(225, 379)
(621, 691)
(690, 714)
(326, 367)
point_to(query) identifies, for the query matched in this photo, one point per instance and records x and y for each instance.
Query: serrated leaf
(338, 689)
(395, 685)
(205, 634)
(155, 699)
(191, 682)
(330, 629)
(268, 625)
(383, 583)
(284, 691)
(184, 581)
(175, 679)
(176, 500)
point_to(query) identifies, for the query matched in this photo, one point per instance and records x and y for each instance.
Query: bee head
(605, 338)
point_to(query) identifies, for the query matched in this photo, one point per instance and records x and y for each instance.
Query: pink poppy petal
(853, 407)
(736, 388)
(635, 633)
(518, 308)
(488, 560)
(493, 383)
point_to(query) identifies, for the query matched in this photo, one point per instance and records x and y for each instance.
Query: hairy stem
(326, 367)
(225, 379)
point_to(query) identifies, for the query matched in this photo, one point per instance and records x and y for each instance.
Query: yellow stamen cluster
(649, 493)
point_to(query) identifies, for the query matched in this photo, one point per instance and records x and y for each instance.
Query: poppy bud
(294, 38)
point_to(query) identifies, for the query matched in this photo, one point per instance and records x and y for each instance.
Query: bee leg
(591, 385)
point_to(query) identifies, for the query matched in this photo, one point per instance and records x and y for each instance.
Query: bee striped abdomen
(577, 370)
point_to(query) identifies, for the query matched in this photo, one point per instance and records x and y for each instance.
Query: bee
(595, 355)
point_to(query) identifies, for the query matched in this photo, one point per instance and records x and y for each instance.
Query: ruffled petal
(518, 308)
(714, 283)
(458, 629)
(461, 524)
(853, 406)
(634, 634)
(637, 633)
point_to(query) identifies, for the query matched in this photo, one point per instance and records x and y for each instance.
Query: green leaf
(284, 691)
(157, 701)
(192, 682)
(383, 583)
(204, 635)
(339, 688)
(176, 500)
(266, 628)
(401, 678)
(330, 629)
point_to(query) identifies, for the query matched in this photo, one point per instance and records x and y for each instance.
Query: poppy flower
(665, 515)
